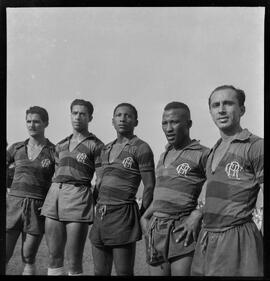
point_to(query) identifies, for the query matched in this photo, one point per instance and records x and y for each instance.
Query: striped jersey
(32, 178)
(77, 166)
(121, 178)
(232, 188)
(178, 185)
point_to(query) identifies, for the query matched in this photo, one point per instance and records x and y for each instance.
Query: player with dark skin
(124, 121)
(176, 126)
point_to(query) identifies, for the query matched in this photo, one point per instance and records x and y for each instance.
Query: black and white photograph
(135, 140)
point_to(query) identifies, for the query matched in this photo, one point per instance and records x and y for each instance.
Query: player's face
(80, 118)
(225, 110)
(35, 125)
(175, 125)
(124, 120)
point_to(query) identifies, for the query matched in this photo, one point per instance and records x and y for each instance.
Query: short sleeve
(56, 155)
(97, 154)
(10, 154)
(145, 158)
(256, 157)
(204, 158)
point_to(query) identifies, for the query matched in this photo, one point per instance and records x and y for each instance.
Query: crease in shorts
(26, 207)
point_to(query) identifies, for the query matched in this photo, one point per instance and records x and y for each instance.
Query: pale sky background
(144, 56)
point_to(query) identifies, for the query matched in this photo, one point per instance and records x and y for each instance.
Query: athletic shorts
(161, 243)
(23, 214)
(116, 225)
(70, 203)
(234, 252)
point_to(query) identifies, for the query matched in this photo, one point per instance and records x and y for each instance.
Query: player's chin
(171, 141)
(124, 131)
(32, 134)
(77, 127)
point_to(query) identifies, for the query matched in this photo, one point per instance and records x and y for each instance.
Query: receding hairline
(239, 93)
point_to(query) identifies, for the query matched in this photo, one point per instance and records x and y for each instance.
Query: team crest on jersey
(45, 163)
(81, 157)
(183, 169)
(232, 170)
(127, 162)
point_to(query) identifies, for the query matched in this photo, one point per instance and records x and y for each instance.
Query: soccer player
(33, 160)
(229, 243)
(125, 162)
(68, 205)
(171, 223)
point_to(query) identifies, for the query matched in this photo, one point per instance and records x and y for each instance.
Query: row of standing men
(51, 193)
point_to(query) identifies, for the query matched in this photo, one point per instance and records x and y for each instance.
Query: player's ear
(90, 118)
(136, 123)
(46, 124)
(189, 124)
(243, 110)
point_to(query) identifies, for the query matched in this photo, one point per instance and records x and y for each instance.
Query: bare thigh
(124, 257)
(55, 234)
(181, 267)
(30, 245)
(102, 257)
(11, 240)
(76, 236)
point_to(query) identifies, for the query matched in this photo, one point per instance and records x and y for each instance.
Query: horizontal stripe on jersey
(32, 178)
(77, 166)
(121, 178)
(178, 186)
(233, 187)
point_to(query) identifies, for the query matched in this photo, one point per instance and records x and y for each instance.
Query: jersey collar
(129, 142)
(193, 145)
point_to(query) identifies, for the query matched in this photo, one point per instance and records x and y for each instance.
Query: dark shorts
(234, 252)
(67, 202)
(116, 225)
(161, 243)
(23, 214)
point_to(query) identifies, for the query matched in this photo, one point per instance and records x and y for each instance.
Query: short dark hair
(130, 106)
(240, 94)
(87, 104)
(177, 105)
(42, 112)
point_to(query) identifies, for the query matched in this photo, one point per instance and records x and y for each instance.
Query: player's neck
(37, 140)
(229, 135)
(183, 144)
(124, 138)
(80, 135)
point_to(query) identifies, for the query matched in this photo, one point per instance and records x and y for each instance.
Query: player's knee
(124, 270)
(8, 256)
(102, 269)
(28, 258)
